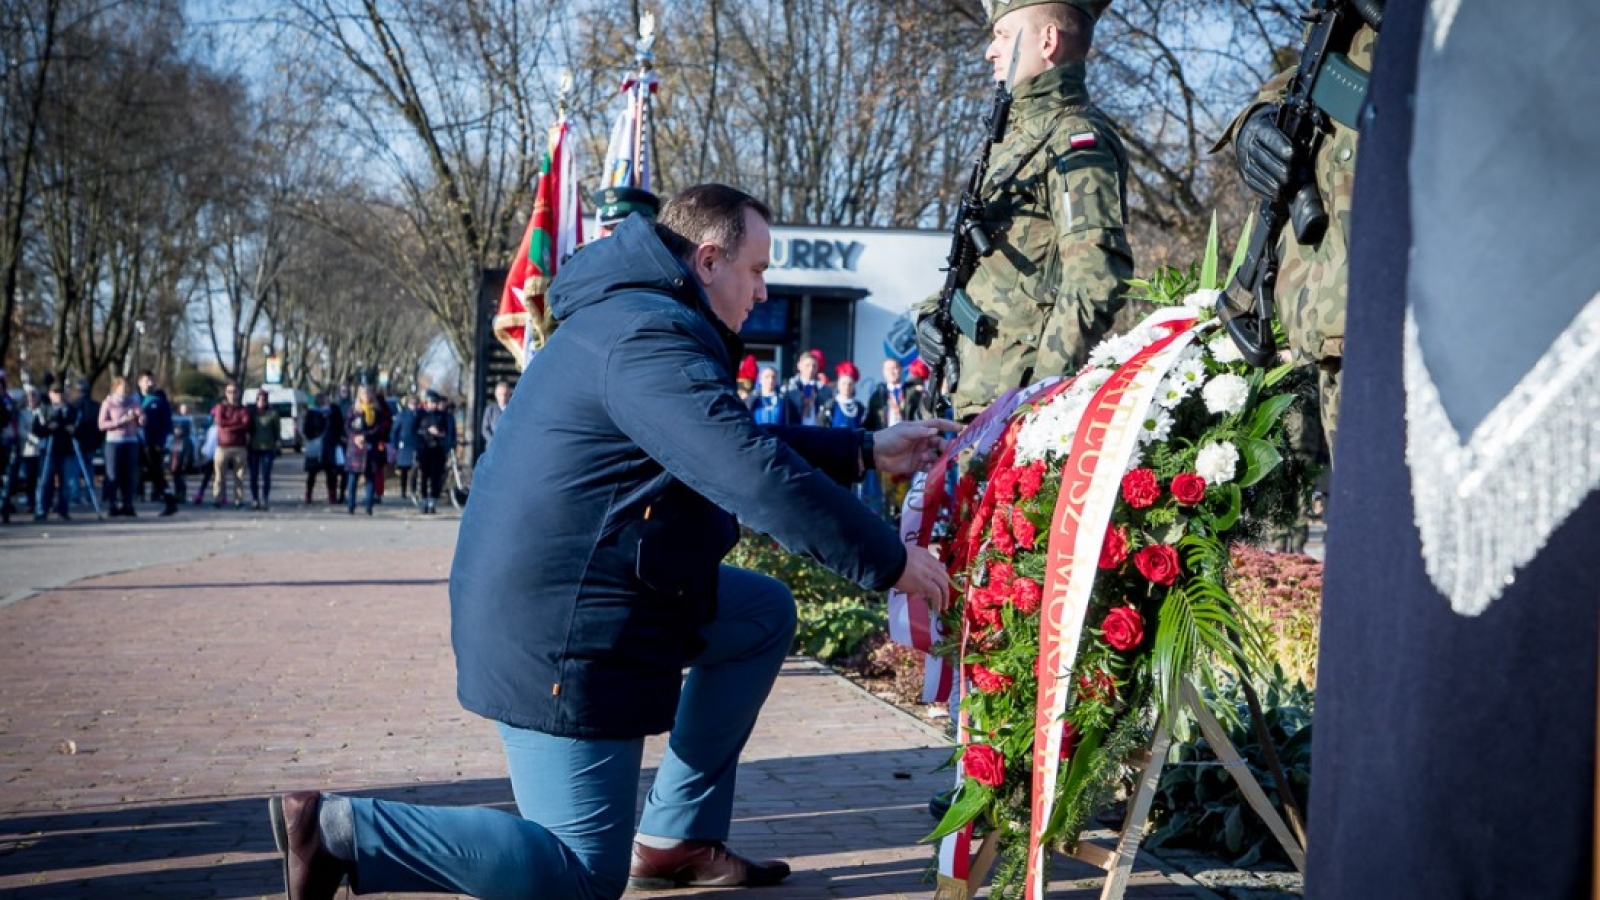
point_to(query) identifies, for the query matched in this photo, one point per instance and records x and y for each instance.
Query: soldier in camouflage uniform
(1055, 203)
(1311, 279)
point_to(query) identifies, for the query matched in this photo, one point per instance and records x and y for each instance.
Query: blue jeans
(52, 497)
(350, 489)
(576, 796)
(122, 472)
(261, 474)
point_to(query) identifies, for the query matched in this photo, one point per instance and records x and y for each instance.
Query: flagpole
(643, 125)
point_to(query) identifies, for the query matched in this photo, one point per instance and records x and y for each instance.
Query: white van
(290, 403)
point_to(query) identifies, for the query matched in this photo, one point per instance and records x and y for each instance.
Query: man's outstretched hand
(910, 447)
(925, 577)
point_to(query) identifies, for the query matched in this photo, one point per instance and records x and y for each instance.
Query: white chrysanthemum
(1224, 350)
(1217, 463)
(1225, 394)
(1049, 432)
(1190, 372)
(1203, 302)
(1155, 426)
(1136, 460)
(1170, 393)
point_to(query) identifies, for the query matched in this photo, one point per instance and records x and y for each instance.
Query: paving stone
(191, 690)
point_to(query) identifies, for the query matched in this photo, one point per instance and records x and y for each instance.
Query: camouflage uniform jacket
(1055, 202)
(1312, 279)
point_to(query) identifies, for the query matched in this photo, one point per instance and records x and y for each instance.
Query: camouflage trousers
(1328, 397)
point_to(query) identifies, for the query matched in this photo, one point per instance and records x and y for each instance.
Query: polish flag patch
(1082, 140)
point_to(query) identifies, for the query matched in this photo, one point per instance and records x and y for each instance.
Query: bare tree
(29, 35)
(447, 96)
(127, 134)
(809, 103)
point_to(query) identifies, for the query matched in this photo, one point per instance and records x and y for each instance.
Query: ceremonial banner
(628, 153)
(554, 231)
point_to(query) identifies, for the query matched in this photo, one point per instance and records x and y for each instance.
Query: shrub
(1199, 806)
(1282, 592)
(837, 618)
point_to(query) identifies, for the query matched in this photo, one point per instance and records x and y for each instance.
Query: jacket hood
(631, 259)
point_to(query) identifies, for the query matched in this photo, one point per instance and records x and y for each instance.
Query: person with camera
(1055, 206)
(1313, 269)
(56, 426)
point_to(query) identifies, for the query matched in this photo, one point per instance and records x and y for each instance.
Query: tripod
(88, 479)
(458, 485)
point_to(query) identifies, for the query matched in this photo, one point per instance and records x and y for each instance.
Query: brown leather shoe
(310, 872)
(700, 864)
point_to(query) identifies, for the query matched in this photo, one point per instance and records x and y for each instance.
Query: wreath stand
(1117, 860)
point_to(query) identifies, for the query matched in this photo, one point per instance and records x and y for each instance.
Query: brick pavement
(145, 716)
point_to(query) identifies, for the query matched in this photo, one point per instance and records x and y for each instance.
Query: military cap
(617, 203)
(1090, 8)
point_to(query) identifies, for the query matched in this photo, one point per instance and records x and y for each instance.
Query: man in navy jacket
(588, 577)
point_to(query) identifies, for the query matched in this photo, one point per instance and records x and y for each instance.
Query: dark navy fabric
(1506, 139)
(588, 554)
(1454, 755)
(157, 418)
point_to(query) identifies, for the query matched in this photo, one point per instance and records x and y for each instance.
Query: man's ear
(706, 259)
(1049, 41)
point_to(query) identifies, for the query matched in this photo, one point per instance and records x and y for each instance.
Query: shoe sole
(669, 884)
(639, 883)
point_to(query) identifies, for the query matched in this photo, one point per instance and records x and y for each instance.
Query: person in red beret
(844, 408)
(746, 380)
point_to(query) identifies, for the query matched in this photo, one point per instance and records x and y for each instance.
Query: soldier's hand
(1264, 154)
(925, 577)
(930, 341)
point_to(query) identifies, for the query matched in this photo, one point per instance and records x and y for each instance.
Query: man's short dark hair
(707, 214)
(146, 373)
(1075, 26)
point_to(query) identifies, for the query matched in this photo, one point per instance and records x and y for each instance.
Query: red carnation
(1157, 562)
(1000, 573)
(1000, 531)
(1114, 552)
(982, 617)
(1123, 628)
(1026, 595)
(1023, 529)
(985, 765)
(1005, 485)
(990, 681)
(1140, 488)
(1031, 480)
(1188, 488)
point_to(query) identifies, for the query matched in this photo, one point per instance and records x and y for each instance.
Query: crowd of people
(52, 435)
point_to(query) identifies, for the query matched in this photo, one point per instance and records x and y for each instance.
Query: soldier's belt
(1340, 90)
(970, 320)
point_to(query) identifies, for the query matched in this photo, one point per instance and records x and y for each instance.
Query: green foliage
(193, 384)
(1199, 806)
(1166, 286)
(837, 618)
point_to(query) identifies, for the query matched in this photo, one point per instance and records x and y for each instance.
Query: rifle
(956, 314)
(1303, 122)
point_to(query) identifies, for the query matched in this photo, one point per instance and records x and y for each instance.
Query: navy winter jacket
(588, 554)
